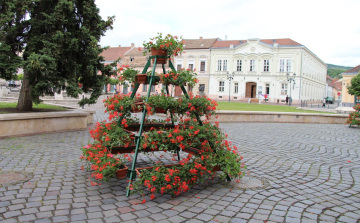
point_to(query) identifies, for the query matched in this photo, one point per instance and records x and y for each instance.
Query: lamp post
(290, 79)
(229, 77)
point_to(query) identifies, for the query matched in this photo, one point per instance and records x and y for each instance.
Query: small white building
(260, 67)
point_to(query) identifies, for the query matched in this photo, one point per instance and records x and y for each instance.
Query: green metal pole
(132, 170)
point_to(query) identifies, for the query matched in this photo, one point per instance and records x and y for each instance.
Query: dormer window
(132, 59)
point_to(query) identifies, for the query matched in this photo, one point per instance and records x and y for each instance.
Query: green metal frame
(131, 172)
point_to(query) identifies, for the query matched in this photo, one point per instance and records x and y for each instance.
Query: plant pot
(158, 52)
(121, 173)
(141, 78)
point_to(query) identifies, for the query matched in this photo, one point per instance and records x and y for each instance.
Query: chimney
(225, 37)
(132, 44)
(201, 37)
(119, 45)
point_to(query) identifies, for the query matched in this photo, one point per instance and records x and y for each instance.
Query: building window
(219, 65)
(144, 87)
(202, 65)
(178, 67)
(239, 65)
(282, 65)
(284, 88)
(190, 88)
(152, 88)
(236, 85)
(225, 65)
(266, 65)
(191, 66)
(221, 86)
(288, 65)
(252, 65)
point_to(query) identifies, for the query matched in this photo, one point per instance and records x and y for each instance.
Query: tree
(58, 40)
(354, 87)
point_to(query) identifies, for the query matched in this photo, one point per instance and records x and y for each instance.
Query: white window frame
(219, 63)
(236, 87)
(282, 65)
(266, 66)
(284, 88)
(225, 65)
(144, 87)
(200, 65)
(288, 65)
(221, 86)
(179, 62)
(239, 65)
(191, 62)
(252, 65)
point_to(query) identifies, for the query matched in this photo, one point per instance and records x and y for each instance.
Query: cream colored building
(346, 81)
(260, 67)
(196, 56)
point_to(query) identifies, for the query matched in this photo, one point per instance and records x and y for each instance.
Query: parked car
(330, 100)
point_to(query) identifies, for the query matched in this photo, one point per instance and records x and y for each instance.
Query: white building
(261, 67)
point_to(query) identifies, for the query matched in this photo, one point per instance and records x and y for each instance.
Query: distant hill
(336, 70)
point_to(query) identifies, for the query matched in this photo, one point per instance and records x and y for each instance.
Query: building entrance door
(250, 91)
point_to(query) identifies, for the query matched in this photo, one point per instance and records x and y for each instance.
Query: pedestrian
(287, 99)
(156, 93)
(324, 102)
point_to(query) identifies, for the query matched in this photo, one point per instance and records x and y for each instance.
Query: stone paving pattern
(313, 171)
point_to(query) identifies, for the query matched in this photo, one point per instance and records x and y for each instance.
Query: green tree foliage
(336, 70)
(354, 87)
(59, 44)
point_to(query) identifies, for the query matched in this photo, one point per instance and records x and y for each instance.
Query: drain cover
(13, 178)
(250, 183)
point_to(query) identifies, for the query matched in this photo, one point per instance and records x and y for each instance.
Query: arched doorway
(250, 90)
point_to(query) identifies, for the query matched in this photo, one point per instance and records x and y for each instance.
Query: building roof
(136, 52)
(354, 70)
(337, 84)
(113, 53)
(198, 43)
(280, 42)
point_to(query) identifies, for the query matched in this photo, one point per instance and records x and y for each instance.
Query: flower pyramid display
(354, 117)
(187, 128)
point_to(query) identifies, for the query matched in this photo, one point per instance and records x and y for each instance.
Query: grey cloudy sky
(329, 28)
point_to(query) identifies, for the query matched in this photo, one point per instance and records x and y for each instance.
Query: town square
(107, 115)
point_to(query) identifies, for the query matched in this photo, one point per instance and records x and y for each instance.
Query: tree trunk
(24, 102)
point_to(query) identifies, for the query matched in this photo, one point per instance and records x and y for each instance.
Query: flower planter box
(216, 168)
(130, 149)
(145, 79)
(192, 151)
(148, 126)
(151, 167)
(158, 52)
(121, 173)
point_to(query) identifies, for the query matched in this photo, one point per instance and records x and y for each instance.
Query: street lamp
(230, 77)
(290, 79)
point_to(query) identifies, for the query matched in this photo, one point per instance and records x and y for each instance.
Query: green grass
(236, 106)
(39, 106)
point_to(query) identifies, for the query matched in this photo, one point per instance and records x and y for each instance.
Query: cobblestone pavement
(312, 170)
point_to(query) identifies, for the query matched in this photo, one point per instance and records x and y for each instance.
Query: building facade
(346, 81)
(262, 67)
